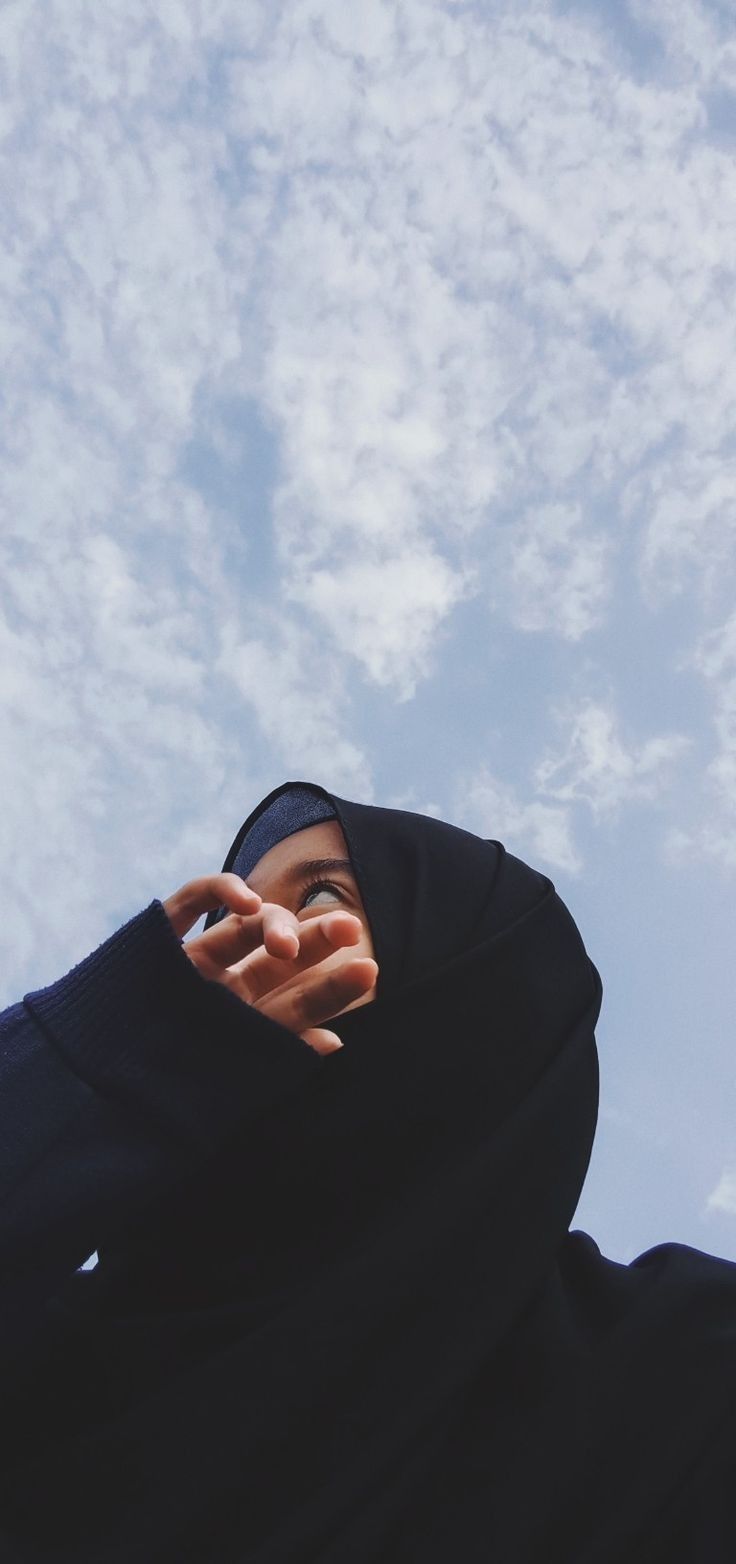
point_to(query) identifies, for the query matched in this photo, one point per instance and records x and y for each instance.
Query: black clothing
(338, 1315)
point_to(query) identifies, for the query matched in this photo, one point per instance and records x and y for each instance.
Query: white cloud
(598, 767)
(434, 284)
(104, 715)
(477, 305)
(690, 532)
(295, 687)
(693, 34)
(386, 612)
(723, 1196)
(715, 659)
(559, 572)
(533, 830)
(120, 313)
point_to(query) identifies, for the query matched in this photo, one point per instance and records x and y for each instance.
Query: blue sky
(368, 417)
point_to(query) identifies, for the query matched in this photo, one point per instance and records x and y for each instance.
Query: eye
(317, 887)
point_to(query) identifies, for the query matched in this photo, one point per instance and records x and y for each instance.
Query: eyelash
(319, 885)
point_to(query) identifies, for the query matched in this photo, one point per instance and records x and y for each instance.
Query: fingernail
(283, 928)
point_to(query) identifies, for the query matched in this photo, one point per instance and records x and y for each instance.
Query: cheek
(364, 946)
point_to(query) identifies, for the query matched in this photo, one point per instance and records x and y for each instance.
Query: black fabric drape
(363, 1332)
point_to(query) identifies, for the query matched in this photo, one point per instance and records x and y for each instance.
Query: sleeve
(115, 1082)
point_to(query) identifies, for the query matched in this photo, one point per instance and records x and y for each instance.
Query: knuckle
(337, 988)
(319, 1000)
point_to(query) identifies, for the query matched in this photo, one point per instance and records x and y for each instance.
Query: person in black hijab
(338, 1315)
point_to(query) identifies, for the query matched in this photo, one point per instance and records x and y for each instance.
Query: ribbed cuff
(135, 1020)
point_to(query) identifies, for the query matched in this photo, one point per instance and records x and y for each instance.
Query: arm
(114, 1083)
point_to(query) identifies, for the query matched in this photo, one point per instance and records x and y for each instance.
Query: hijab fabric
(366, 1334)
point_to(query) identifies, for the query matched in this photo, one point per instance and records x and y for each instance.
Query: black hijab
(366, 1335)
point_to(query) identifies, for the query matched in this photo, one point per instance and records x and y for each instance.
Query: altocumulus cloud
(498, 286)
(600, 768)
(369, 389)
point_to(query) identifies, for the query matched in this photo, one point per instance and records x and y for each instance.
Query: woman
(328, 1152)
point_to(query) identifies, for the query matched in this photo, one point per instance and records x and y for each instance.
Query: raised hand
(285, 968)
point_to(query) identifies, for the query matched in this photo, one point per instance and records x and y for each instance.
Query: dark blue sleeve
(115, 1083)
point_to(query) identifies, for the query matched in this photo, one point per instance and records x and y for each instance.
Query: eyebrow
(321, 866)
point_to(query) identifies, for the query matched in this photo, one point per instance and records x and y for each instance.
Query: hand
(271, 960)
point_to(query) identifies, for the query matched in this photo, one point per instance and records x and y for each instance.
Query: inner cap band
(291, 811)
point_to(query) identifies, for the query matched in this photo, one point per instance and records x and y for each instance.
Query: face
(310, 873)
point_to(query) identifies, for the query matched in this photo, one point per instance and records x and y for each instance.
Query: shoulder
(692, 1291)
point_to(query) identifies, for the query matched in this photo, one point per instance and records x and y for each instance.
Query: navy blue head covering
(290, 810)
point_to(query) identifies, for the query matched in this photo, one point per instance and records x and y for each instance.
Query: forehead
(325, 840)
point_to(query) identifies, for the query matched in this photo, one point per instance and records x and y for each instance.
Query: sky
(368, 417)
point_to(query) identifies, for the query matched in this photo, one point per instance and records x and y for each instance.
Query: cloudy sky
(369, 416)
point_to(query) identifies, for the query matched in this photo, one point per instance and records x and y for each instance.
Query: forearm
(114, 1083)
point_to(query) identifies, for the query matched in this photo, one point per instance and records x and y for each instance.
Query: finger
(321, 1039)
(205, 895)
(317, 1037)
(235, 937)
(320, 995)
(319, 938)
